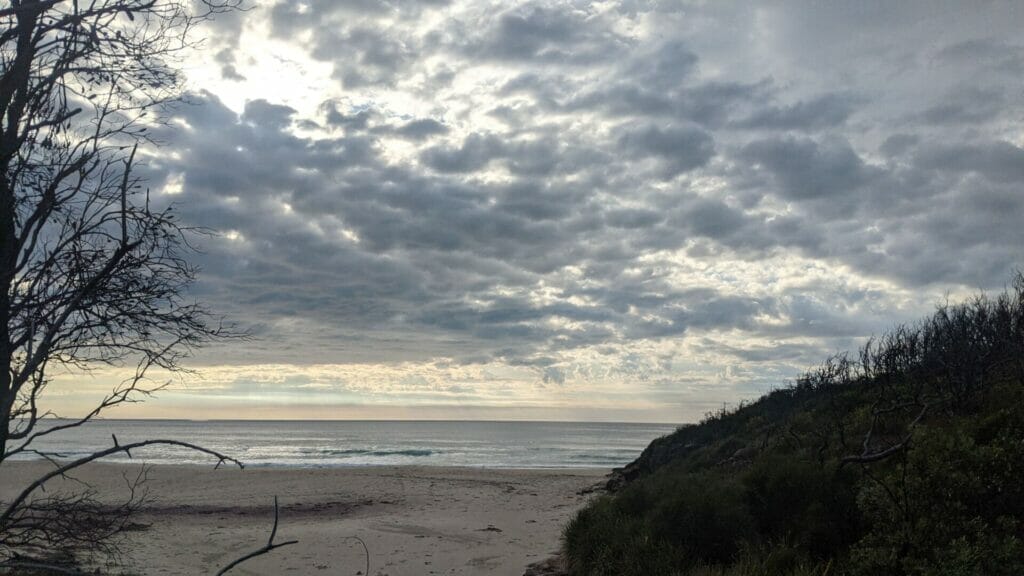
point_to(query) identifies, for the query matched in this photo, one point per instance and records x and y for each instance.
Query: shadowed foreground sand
(415, 520)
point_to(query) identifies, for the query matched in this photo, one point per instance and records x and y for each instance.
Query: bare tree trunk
(90, 274)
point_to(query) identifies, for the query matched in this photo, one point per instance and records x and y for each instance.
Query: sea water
(367, 443)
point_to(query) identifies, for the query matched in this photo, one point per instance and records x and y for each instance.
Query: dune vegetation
(906, 458)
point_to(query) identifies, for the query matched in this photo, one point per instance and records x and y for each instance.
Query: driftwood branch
(366, 551)
(269, 546)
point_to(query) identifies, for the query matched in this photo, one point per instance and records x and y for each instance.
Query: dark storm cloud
(576, 178)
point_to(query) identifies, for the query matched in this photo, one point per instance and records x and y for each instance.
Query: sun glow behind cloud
(268, 68)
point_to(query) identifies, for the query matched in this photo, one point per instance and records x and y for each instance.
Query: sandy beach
(414, 520)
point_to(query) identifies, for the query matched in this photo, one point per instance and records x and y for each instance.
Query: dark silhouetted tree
(91, 274)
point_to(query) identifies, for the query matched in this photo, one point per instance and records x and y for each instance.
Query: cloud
(473, 154)
(1002, 55)
(998, 161)
(422, 129)
(608, 193)
(965, 106)
(264, 114)
(678, 149)
(807, 169)
(827, 111)
(535, 32)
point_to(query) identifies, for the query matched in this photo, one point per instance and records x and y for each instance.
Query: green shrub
(953, 505)
(812, 508)
(775, 487)
(660, 526)
(703, 516)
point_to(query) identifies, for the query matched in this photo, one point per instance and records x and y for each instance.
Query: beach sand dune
(414, 520)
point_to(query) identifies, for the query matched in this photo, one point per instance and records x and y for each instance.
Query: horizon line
(535, 421)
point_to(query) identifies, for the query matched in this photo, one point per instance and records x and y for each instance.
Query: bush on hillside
(906, 459)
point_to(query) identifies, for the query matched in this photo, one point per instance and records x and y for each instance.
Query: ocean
(369, 443)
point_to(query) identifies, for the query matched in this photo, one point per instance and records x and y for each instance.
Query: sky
(569, 210)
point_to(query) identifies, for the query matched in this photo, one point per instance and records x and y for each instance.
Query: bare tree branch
(92, 274)
(867, 456)
(116, 448)
(269, 546)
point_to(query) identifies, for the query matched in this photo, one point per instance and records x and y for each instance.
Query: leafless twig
(126, 448)
(270, 545)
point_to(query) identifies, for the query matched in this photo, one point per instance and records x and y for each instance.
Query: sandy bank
(414, 520)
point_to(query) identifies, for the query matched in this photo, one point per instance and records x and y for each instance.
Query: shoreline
(262, 467)
(424, 467)
(414, 519)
